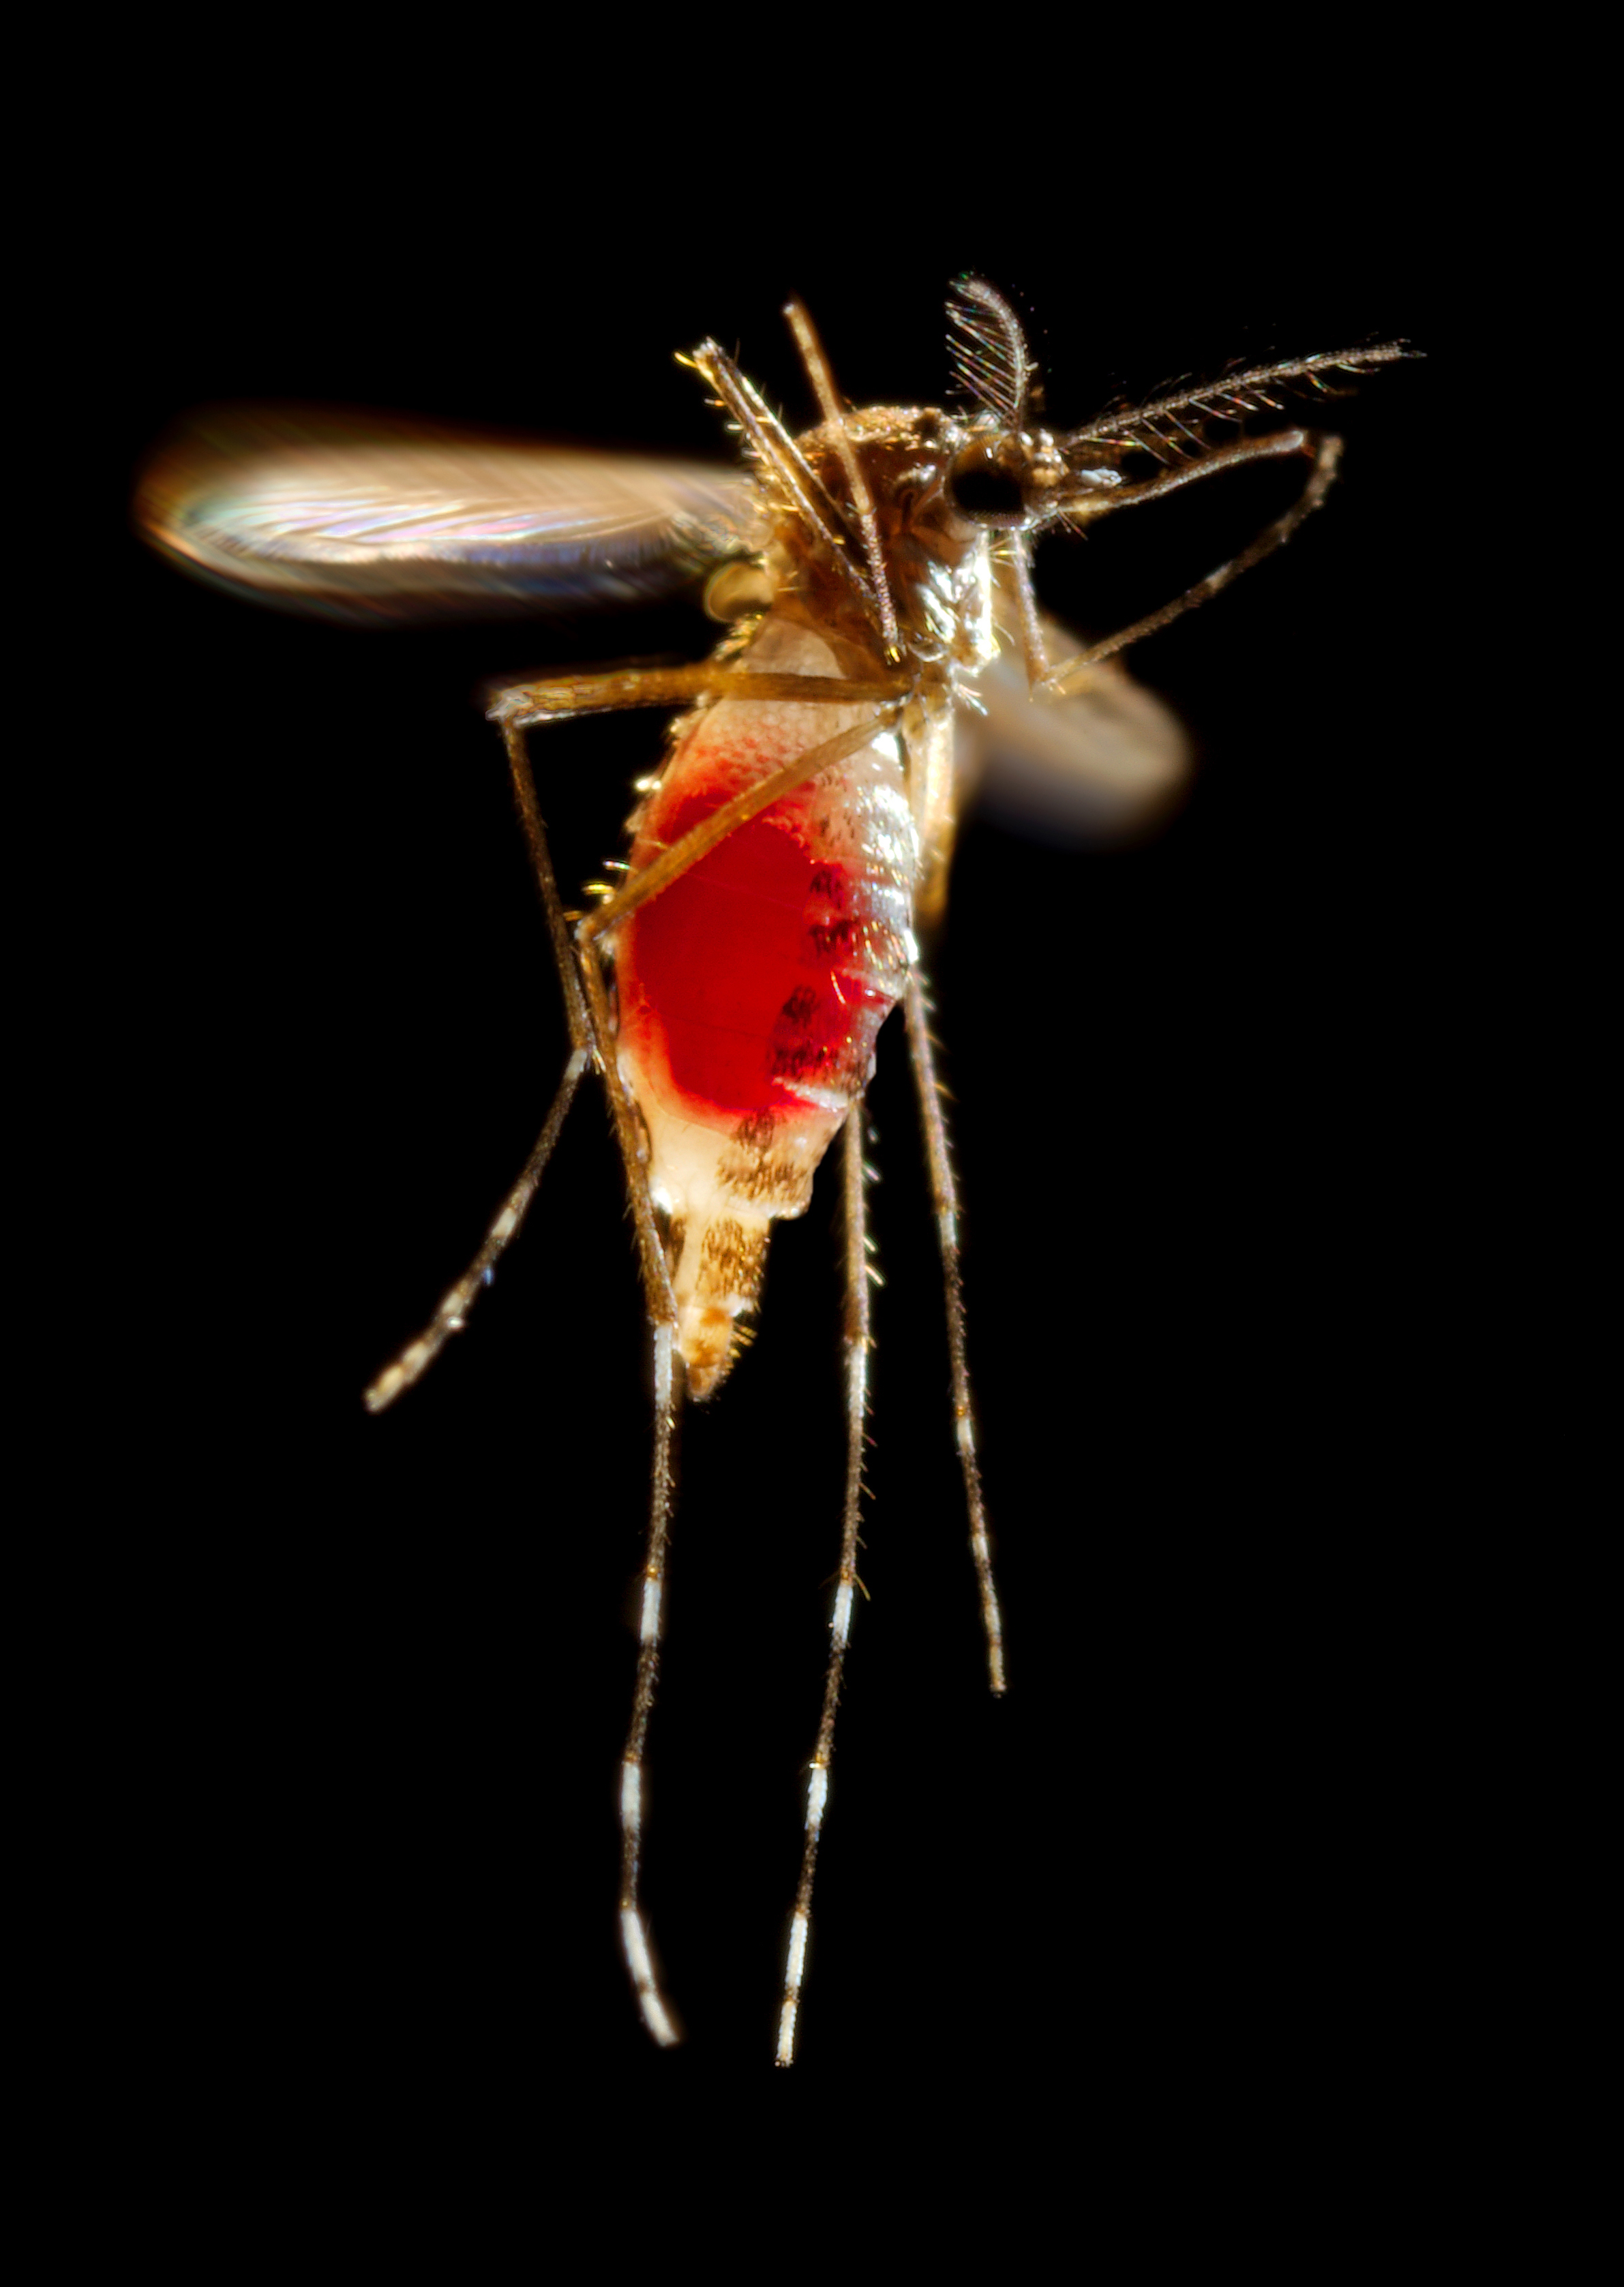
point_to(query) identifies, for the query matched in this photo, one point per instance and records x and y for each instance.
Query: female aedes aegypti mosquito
(883, 641)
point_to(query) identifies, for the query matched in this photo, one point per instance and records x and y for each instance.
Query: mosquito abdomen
(752, 989)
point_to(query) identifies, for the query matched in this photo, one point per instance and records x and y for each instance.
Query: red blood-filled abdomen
(757, 981)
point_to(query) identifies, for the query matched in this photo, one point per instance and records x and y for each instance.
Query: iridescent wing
(361, 518)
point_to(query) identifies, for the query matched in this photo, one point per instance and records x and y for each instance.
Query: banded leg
(590, 1020)
(589, 1008)
(451, 1314)
(856, 1337)
(945, 1197)
(634, 1930)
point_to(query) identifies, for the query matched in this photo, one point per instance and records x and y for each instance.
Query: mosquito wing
(358, 517)
(1105, 765)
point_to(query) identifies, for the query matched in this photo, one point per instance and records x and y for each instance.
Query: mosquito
(873, 575)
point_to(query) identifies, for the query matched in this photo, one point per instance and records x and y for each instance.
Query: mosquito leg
(522, 706)
(771, 446)
(541, 861)
(856, 1336)
(451, 1314)
(945, 1197)
(629, 1135)
(857, 484)
(662, 870)
(1324, 451)
(1019, 586)
(592, 1029)
(634, 1931)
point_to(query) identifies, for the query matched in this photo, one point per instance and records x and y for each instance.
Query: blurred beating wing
(1107, 765)
(356, 517)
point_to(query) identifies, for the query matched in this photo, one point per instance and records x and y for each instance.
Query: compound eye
(984, 488)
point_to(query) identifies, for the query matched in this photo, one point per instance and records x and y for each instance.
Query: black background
(386, 1664)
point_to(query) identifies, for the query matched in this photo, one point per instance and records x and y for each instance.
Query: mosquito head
(1003, 479)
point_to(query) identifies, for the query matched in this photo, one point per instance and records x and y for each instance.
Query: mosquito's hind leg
(656, 2013)
(857, 1343)
(592, 1024)
(944, 1197)
(451, 1314)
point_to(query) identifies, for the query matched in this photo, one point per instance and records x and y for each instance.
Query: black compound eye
(983, 489)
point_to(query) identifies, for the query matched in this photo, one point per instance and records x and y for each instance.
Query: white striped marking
(843, 1613)
(643, 1978)
(792, 1988)
(649, 1623)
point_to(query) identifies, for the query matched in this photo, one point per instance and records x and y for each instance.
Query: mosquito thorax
(906, 453)
(936, 560)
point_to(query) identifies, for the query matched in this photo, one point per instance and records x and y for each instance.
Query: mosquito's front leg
(1322, 450)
